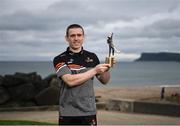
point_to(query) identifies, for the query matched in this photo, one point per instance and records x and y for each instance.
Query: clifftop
(161, 56)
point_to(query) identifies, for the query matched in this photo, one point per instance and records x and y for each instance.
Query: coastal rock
(1, 80)
(54, 83)
(28, 89)
(40, 85)
(13, 80)
(4, 95)
(23, 92)
(29, 77)
(35, 79)
(50, 77)
(49, 96)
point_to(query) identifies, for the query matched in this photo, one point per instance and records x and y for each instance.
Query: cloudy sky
(35, 29)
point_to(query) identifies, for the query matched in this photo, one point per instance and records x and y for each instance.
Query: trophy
(112, 49)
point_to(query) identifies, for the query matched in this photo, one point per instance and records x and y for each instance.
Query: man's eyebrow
(76, 34)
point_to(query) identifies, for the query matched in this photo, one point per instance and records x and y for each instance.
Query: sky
(34, 30)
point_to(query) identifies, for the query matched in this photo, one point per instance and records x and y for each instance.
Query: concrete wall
(144, 107)
(157, 108)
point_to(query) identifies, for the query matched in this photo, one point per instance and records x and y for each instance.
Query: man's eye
(74, 35)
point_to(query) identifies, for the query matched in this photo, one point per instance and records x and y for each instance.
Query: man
(75, 70)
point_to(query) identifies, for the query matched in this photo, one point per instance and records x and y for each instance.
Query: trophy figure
(112, 49)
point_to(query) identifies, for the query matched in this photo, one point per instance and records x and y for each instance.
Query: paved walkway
(104, 118)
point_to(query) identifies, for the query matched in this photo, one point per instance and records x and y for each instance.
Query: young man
(75, 70)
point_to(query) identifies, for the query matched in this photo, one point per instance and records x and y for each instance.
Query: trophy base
(109, 60)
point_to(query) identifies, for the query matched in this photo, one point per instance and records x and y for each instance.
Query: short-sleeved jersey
(78, 100)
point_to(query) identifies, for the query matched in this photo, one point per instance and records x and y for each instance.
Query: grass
(23, 122)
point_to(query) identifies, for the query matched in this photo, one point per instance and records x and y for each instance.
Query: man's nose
(76, 37)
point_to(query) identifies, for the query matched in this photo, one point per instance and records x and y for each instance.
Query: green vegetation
(23, 122)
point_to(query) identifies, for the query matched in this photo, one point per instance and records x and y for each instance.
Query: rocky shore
(28, 89)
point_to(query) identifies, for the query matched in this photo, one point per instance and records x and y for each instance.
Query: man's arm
(78, 79)
(104, 77)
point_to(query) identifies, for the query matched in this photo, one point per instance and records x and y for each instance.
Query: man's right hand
(101, 68)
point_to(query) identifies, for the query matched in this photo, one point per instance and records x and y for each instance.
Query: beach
(107, 117)
(136, 92)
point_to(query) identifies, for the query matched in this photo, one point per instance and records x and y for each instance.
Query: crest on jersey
(88, 59)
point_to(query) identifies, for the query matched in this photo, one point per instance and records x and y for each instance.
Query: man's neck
(75, 50)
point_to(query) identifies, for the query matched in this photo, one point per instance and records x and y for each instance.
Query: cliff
(162, 56)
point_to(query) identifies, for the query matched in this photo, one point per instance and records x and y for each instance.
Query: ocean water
(122, 74)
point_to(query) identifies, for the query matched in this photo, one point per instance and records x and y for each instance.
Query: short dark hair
(73, 26)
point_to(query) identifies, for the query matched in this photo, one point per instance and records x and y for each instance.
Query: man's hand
(103, 74)
(101, 68)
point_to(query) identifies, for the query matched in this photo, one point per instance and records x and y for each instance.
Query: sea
(123, 74)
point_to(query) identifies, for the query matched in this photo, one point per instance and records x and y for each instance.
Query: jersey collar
(72, 53)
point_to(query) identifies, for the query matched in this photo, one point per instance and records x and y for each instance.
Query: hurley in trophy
(112, 49)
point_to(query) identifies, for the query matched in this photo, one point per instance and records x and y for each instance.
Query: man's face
(75, 38)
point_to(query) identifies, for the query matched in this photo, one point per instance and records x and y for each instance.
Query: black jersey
(78, 100)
